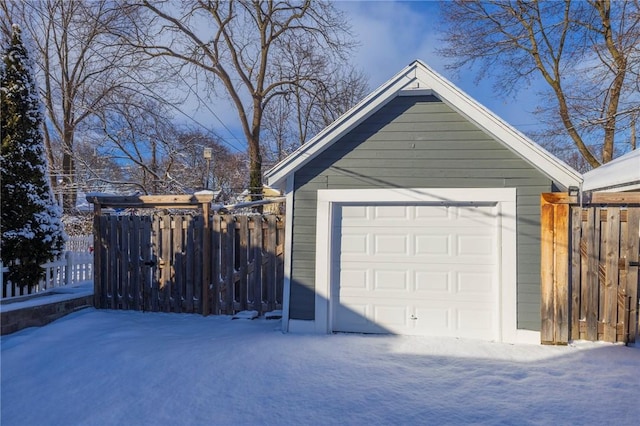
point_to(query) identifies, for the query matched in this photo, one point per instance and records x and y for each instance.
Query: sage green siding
(418, 142)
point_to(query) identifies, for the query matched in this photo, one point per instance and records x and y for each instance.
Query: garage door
(416, 269)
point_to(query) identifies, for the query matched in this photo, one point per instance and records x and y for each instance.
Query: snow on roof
(621, 174)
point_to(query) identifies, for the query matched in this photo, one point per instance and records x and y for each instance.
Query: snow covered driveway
(132, 368)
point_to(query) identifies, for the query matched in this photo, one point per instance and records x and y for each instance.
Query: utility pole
(207, 154)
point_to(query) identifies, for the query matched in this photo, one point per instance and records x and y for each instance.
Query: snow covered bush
(32, 231)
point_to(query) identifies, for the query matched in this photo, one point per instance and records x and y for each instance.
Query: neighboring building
(621, 174)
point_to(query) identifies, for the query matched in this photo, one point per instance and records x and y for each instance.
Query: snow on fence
(72, 268)
(79, 244)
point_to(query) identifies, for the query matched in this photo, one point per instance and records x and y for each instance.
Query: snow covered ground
(132, 368)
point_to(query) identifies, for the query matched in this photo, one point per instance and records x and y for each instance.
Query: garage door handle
(634, 263)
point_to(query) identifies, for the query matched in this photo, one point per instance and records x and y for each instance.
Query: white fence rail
(74, 267)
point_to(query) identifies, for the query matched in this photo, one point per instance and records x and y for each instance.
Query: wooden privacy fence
(186, 262)
(590, 265)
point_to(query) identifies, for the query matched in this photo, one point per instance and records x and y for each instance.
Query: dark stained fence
(191, 263)
(590, 267)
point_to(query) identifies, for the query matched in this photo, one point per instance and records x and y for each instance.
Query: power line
(42, 15)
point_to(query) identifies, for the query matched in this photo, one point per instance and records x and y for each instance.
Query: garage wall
(418, 142)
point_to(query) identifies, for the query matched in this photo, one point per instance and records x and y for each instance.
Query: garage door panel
(417, 270)
(355, 244)
(354, 212)
(391, 245)
(390, 315)
(434, 320)
(432, 282)
(390, 280)
(476, 245)
(354, 278)
(475, 285)
(353, 314)
(390, 212)
(475, 323)
(433, 212)
(433, 244)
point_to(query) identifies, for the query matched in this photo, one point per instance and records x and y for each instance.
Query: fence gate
(590, 281)
(186, 262)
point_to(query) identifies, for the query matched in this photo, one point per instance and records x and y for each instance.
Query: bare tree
(82, 69)
(227, 171)
(587, 53)
(241, 45)
(313, 104)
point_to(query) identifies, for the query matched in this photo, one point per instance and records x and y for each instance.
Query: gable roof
(419, 79)
(621, 174)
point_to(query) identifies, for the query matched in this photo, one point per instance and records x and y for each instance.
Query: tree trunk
(69, 190)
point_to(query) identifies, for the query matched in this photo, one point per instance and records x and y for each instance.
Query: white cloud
(394, 34)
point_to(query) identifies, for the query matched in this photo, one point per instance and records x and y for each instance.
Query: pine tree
(32, 230)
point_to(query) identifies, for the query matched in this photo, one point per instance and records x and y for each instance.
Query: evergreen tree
(32, 230)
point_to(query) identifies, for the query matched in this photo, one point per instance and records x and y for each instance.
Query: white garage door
(416, 269)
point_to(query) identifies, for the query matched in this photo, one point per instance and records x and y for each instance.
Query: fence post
(97, 258)
(546, 273)
(206, 259)
(561, 274)
(555, 287)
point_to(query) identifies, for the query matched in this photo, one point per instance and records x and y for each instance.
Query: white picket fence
(75, 266)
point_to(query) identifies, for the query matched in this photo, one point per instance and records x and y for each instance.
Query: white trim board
(288, 242)
(505, 198)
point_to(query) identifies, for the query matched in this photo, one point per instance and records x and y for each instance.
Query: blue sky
(392, 34)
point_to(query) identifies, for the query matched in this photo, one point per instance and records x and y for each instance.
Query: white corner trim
(288, 242)
(505, 199)
(528, 337)
(302, 326)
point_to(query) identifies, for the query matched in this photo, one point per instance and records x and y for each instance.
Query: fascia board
(344, 124)
(494, 126)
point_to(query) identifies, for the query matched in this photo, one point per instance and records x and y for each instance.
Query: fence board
(270, 266)
(134, 263)
(612, 247)
(547, 266)
(214, 259)
(633, 280)
(227, 247)
(114, 277)
(256, 275)
(124, 260)
(592, 282)
(203, 279)
(242, 226)
(159, 264)
(597, 248)
(561, 274)
(575, 273)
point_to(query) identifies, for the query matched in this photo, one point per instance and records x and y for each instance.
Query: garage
(416, 212)
(416, 269)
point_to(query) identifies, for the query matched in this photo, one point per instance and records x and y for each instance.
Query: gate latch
(151, 262)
